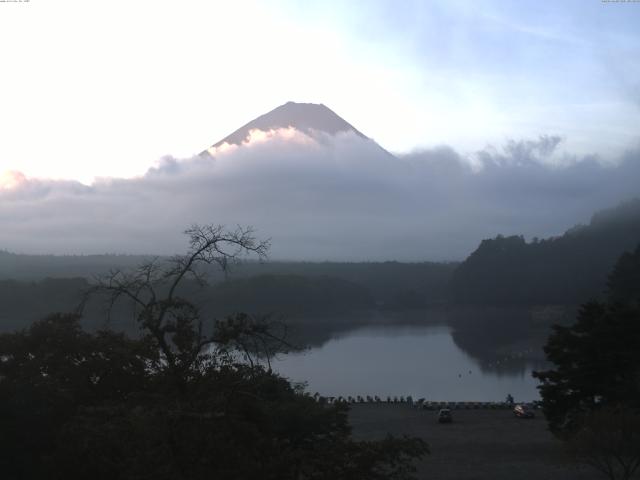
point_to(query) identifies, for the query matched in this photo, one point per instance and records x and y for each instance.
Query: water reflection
(392, 360)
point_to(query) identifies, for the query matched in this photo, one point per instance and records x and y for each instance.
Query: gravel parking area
(479, 444)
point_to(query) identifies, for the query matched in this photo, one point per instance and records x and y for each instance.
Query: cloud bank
(321, 197)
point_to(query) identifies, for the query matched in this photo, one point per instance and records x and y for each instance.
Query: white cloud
(321, 197)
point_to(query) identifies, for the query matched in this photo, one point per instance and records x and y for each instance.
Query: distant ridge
(570, 269)
(304, 117)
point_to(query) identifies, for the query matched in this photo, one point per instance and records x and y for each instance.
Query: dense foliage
(565, 270)
(597, 359)
(186, 399)
(81, 405)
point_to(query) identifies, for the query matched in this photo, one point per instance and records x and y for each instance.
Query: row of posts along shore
(420, 403)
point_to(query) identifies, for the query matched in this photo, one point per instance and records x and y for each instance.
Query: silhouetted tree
(173, 323)
(597, 363)
(592, 397)
(597, 360)
(624, 281)
(187, 399)
(51, 371)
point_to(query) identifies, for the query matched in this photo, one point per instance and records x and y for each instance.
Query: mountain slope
(308, 118)
(305, 117)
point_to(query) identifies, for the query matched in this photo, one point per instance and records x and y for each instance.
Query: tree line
(568, 269)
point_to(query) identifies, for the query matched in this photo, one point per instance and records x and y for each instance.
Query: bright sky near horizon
(105, 88)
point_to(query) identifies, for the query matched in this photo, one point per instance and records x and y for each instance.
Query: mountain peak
(305, 117)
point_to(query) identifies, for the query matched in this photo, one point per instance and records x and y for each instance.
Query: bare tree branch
(174, 323)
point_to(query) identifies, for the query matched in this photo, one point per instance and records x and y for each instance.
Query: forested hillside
(391, 284)
(279, 286)
(37, 267)
(569, 269)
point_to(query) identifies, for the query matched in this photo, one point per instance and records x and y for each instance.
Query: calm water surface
(421, 361)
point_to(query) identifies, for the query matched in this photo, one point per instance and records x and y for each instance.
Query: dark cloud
(338, 197)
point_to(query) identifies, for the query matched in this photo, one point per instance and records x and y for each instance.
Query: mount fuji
(311, 119)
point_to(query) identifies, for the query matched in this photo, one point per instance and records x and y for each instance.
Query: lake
(421, 361)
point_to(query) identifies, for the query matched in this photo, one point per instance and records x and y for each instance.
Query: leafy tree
(50, 371)
(592, 396)
(187, 399)
(597, 363)
(624, 281)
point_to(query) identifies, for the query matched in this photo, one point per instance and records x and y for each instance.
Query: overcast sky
(105, 88)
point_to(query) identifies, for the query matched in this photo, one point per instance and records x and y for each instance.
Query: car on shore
(444, 416)
(523, 411)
